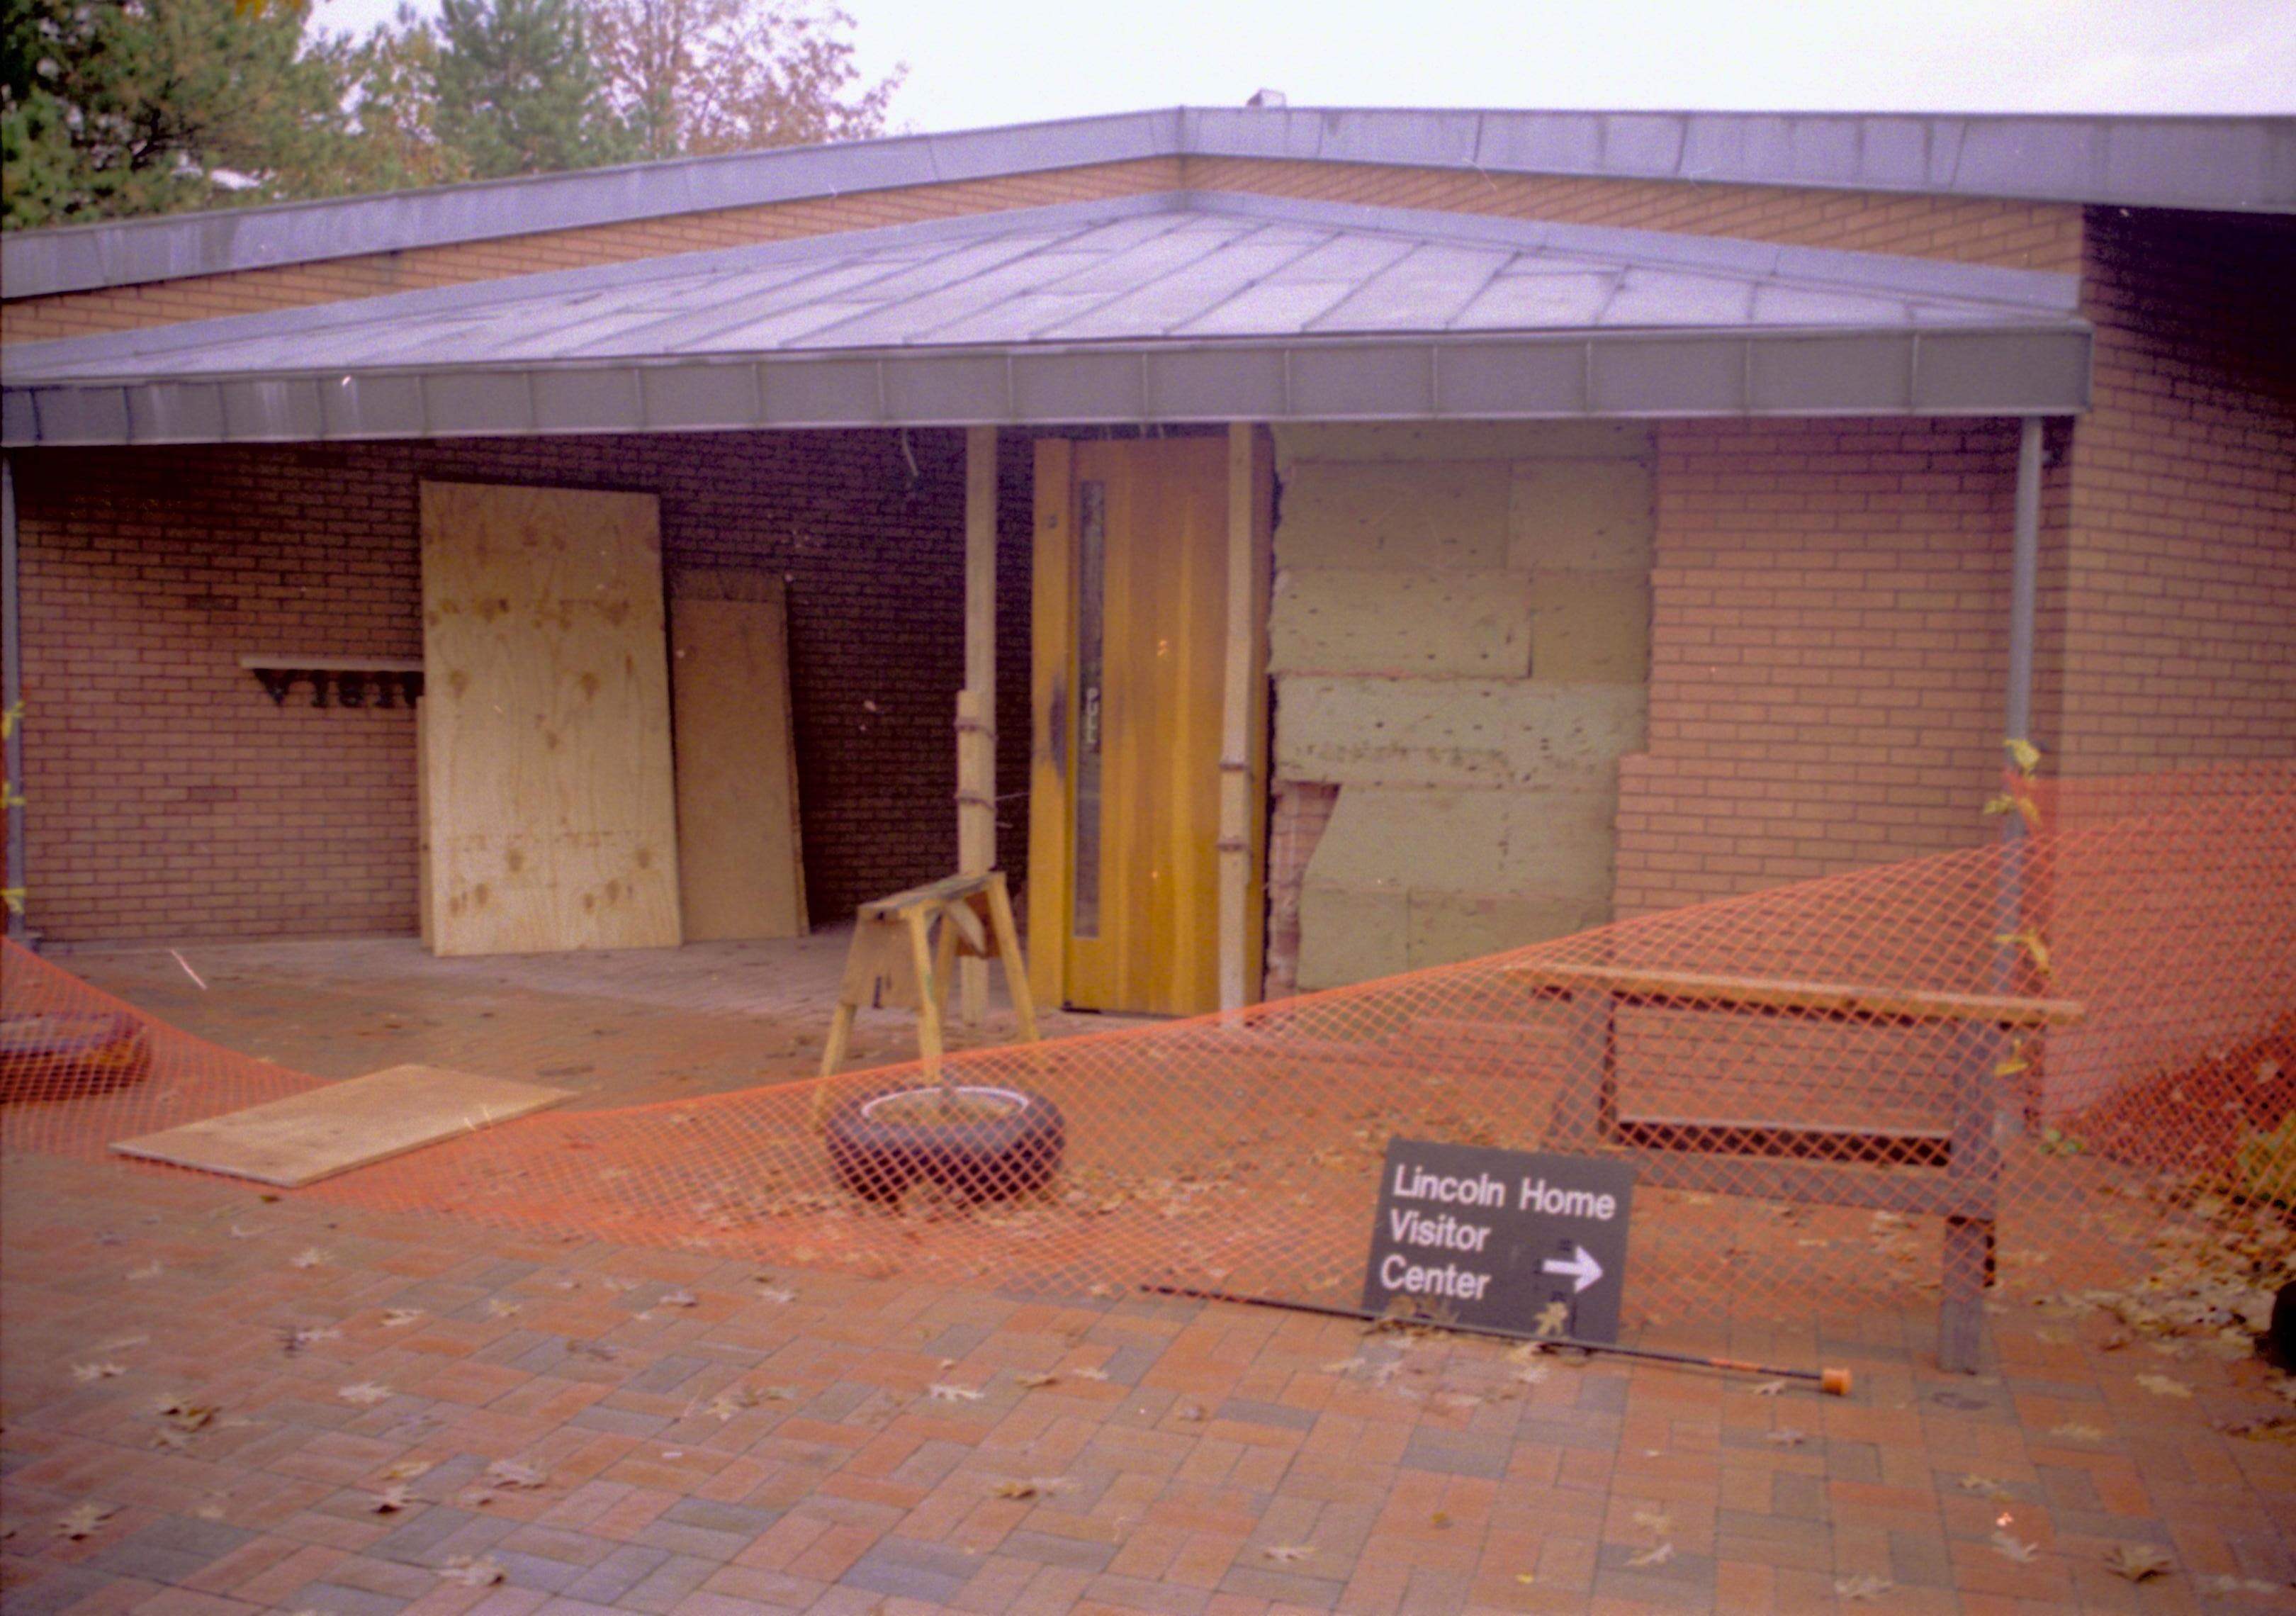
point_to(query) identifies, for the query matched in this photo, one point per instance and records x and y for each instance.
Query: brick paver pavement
(713, 1440)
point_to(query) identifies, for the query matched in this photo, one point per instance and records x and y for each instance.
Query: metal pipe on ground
(1832, 1382)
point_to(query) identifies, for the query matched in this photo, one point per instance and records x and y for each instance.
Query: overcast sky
(996, 62)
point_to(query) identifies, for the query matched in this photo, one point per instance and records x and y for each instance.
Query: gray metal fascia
(2031, 370)
(2246, 164)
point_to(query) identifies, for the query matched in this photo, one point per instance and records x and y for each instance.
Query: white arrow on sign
(1582, 1265)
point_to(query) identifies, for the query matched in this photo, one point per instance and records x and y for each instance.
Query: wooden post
(976, 705)
(1051, 648)
(1235, 814)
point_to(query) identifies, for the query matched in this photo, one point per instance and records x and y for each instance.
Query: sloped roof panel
(1198, 292)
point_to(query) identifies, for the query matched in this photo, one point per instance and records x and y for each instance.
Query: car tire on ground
(995, 1157)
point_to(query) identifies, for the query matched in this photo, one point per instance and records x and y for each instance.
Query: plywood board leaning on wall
(737, 818)
(546, 701)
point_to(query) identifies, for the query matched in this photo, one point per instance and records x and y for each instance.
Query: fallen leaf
(2009, 1548)
(1289, 1553)
(407, 1470)
(472, 1573)
(1657, 1555)
(1032, 1487)
(399, 1318)
(182, 1414)
(1769, 1389)
(149, 1270)
(1188, 1411)
(510, 1473)
(1785, 1436)
(392, 1499)
(678, 1299)
(310, 1257)
(730, 1402)
(1089, 1375)
(295, 1338)
(242, 1231)
(776, 1294)
(1345, 1366)
(1530, 1374)
(2136, 1560)
(366, 1393)
(1440, 1521)
(1986, 1485)
(208, 1509)
(941, 1391)
(89, 1373)
(1659, 1521)
(2077, 1431)
(1862, 1587)
(1032, 1381)
(82, 1520)
(2164, 1385)
(499, 1308)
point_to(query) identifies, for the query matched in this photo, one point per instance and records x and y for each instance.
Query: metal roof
(2236, 164)
(1172, 308)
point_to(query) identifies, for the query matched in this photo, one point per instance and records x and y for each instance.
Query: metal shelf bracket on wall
(353, 681)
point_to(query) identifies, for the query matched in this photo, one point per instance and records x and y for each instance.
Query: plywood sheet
(309, 1137)
(552, 818)
(737, 821)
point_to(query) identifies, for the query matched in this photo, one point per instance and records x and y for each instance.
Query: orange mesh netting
(1807, 1078)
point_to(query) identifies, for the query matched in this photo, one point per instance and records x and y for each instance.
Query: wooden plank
(553, 817)
(422, 827)
(331, 1130)
(1051, 704)
(1691, 989)
(1912, 1190)
(740, 871)
(976, 738)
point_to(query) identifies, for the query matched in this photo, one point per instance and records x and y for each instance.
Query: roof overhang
(1181, 308)
(2246, 164)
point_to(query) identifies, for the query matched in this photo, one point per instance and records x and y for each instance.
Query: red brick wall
(169, 798)
(2175, 602)
(1829, 603)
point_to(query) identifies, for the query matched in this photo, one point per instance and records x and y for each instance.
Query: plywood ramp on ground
(738, 847)
(545, 720)
(309, 1137)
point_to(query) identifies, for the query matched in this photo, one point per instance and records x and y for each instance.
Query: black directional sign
(1513, 1239)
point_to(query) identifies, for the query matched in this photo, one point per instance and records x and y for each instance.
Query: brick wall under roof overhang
(167, 797)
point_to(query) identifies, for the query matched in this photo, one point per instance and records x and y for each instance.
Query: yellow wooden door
(1147, 549)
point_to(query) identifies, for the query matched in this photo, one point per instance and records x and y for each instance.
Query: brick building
(1549, 516)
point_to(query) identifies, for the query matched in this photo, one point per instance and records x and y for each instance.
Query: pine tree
(155, 106)
(517, 91)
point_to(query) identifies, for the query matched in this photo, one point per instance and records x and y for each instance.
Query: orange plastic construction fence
(1858, 1089)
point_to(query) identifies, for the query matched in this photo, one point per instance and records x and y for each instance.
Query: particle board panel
(331, 1130)
(552, 816)
(738, 841)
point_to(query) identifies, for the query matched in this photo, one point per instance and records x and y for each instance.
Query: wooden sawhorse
(896, 952)
(1683, 1153)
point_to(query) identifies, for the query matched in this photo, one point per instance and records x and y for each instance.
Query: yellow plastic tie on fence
(2036, 947)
